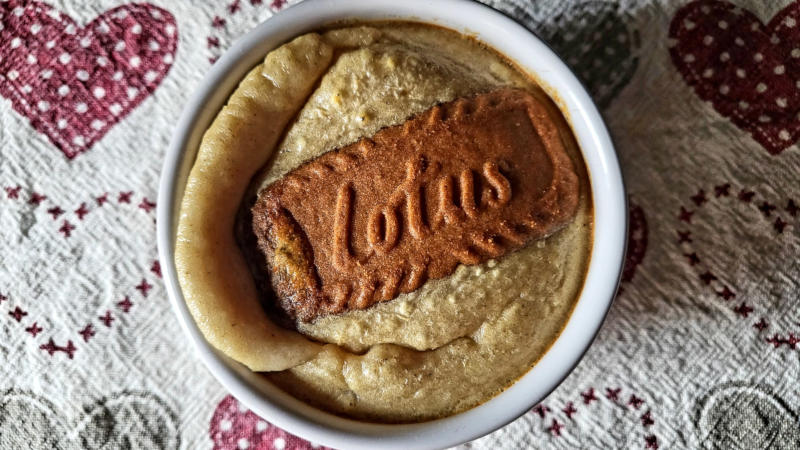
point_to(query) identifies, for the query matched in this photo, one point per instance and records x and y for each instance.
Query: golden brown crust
(461, 183)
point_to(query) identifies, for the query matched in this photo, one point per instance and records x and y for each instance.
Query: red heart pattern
(74, 83)
(747, 70)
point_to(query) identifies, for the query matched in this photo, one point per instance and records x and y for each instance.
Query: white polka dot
(27, 89)
(758, 57)
(154, 46)
(689, 25)
(102, 61)
(168, 58)
(61, 124)
(78, 140)
(779, 70)
(136, 29)
(724, 89)
(722, 24)
(103, 28)
(43, 105)
(707, 40)
(724, 56)
(156, 14)
(132, 93)
(743, 105)
(754, 26)
(241, 407)
(81, 108)
(738, 41)
(761, 87)
(50, 44)
(741, 73)
(781, 102)
(82, 75)
(36, 28)
(119, 46)
(115, 109)
(150, 76)
(737, 11)
(31, 58)
(790, 22)
(135, 61)
(243, 444)
(63, 90)
(98, 124)
(54, 14)
(688, 58)
(170, 29)
(797, 84)
(784, 135)
(795, 53)
(279, 443)
(705, 9)
(70, 29)
(117, 76)
(225, 425)
(775, 39)
(121, 14)
(708, 73)
(313, 445)
(12, 75)
(99, 92)
(85, 42)
(764, 119)
(18, 11)
(64, 58)
(16, 42)
(261, 426)
(46, 74)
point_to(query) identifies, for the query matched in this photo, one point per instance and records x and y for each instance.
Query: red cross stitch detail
(723, 190)
(635, 401)
(651, 442)
(147, 205)
(66, 229)
(51, 348)
(726, 293)
(107, 319)
(218, 22)
(779, 225)
(792, 208)
(36, 198)
(775, 340)
(34, 329)
(707, 277)
(144, 287)
(541, 410)
(87, 332)
(684, 236)
(124, 197)
(55, 211)
(212, 42)
(3, 298)
(746, 196)
(82, 211)
(13, 192)
(17, 314)
(767, 208)
(255, 2)
(743, 310)
(613, 394)
(102, 199)
(699, 198)
(125, 304)
(761, 325)
(233, 7)
(647, 419)
(588, 396)
(693, 258)
(570, 410)
(685, 215)
(555, 428)
(278, 4)
(156, 268)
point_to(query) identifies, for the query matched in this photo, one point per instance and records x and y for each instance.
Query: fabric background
(700, 349)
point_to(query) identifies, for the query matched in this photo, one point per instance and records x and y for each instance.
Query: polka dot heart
(747, 70)
(74, 83)
(235, 427)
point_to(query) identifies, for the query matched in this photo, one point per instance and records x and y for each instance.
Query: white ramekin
(520, 45)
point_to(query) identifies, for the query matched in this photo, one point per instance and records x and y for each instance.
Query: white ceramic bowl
(514, 41)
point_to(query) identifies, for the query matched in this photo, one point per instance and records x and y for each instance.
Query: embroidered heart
(747, 70)
(233, 427)
(74, 83)
(125, 420)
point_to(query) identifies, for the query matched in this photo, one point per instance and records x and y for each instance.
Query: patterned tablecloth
(699, 350)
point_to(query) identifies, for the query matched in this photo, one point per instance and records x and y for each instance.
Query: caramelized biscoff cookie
(461, 183)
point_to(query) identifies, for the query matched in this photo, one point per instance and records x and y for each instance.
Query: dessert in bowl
(391, 221)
